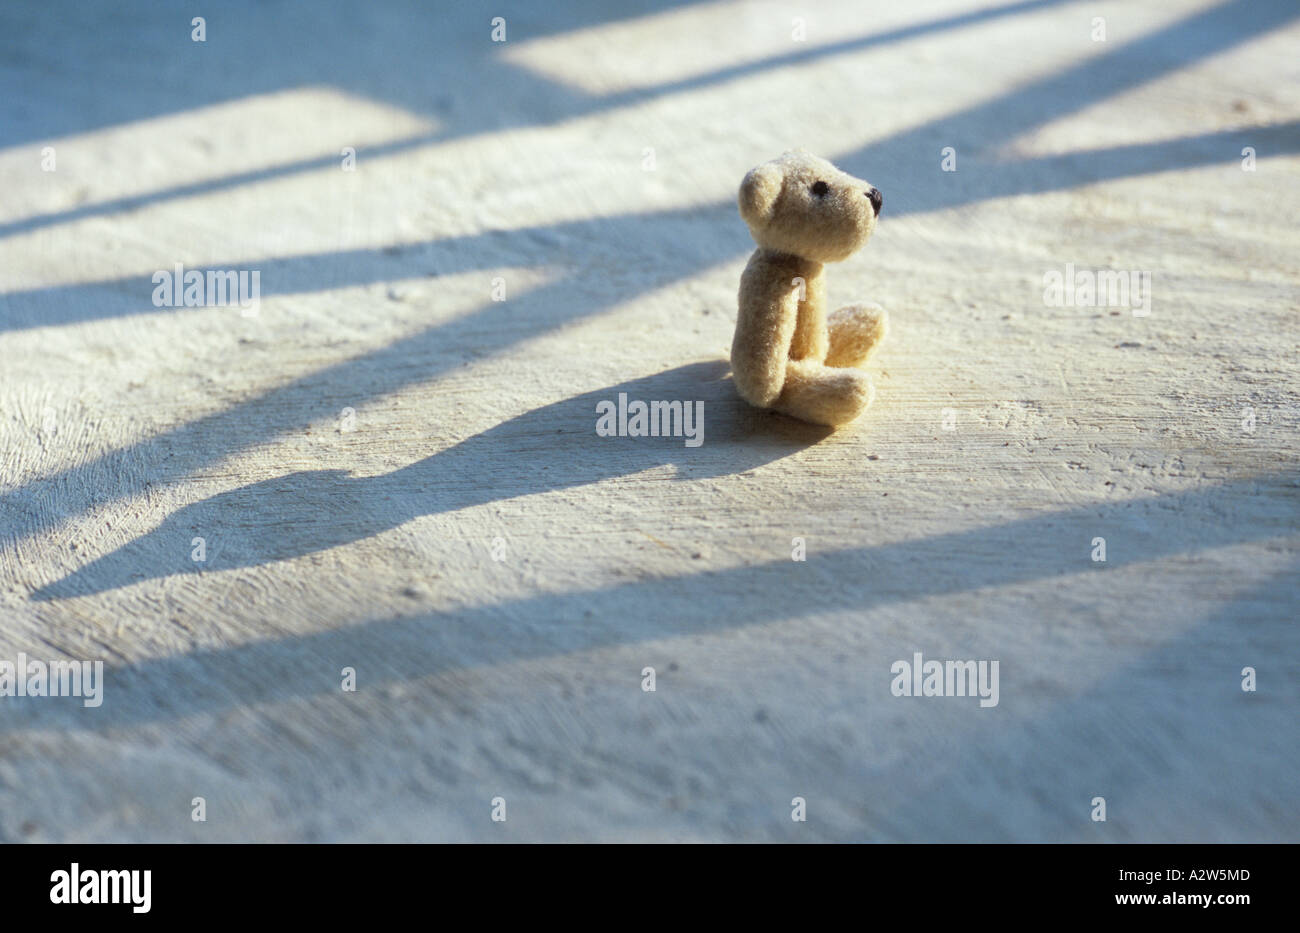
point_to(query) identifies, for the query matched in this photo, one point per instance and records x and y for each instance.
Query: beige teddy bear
(787, 355)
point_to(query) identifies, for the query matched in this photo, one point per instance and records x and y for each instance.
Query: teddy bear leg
(824, 394)
(855, 331)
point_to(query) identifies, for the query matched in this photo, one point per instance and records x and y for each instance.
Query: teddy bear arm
(761, 347)
(855, 331)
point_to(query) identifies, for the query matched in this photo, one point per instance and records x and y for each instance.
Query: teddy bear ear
(758, 193)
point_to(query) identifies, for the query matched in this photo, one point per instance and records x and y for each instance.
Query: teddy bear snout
(876, 198)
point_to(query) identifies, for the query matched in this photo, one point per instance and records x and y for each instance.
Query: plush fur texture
(787, 354)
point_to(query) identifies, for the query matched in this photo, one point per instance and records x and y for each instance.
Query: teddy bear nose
(876, 199)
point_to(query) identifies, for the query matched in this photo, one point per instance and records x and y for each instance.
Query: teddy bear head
(803, 205)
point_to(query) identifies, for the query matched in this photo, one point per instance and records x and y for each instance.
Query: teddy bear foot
(823, 394)
(855, 331)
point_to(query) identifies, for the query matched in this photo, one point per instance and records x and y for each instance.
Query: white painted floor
(392, 472)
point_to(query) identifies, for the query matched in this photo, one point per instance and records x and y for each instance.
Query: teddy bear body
(788, 354)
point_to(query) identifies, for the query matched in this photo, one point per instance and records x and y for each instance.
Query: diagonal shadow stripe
(1044, 173)
(574, 108)
(326, 271)
(1040, 547)
(28, 510)
(1173, 710)
(211, 186)
(335, 269)
(905, 162)
(423, 356)
(549, 448)
(96, 65)
(1130, 65)
(828, 50)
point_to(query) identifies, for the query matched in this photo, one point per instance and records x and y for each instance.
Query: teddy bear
(787, 354)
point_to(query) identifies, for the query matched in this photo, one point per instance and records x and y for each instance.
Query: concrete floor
(393, 472)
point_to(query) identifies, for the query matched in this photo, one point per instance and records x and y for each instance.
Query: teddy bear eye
(820, 189)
